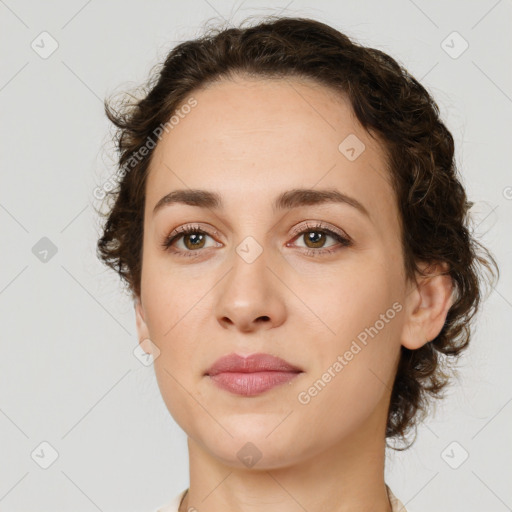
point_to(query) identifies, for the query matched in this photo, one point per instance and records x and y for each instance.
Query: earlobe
(427, 307)
(142, 328)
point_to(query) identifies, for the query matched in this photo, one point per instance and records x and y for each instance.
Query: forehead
(251, 139)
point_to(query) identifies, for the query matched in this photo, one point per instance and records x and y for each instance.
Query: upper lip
(249, 364)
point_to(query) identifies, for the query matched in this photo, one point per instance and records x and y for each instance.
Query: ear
(142, 328)
(427, 304)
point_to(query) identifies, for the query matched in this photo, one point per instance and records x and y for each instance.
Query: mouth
(252, 375)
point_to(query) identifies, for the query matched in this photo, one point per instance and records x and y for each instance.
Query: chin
(266, 438)
(253, 455)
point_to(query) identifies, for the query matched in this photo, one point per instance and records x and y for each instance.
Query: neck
(347, 477)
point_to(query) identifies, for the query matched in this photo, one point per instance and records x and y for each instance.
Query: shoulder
(173, 505)
(396, 504)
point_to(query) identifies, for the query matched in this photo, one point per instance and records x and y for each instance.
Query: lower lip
(250, 384)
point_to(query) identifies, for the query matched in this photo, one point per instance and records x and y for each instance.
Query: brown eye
(315, 238)
(194, 240)
(188, 241)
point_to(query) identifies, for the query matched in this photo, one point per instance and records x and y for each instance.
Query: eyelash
(196, 229)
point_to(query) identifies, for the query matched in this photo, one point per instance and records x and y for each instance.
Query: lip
(251, 375)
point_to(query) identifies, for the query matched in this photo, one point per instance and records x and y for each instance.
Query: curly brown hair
(390, 104)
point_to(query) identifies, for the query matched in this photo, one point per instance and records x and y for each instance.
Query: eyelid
(312, 225)
(193, 226)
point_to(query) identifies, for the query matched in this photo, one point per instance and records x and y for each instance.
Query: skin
(250, 140)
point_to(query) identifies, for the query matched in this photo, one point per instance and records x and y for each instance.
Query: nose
(250, 298)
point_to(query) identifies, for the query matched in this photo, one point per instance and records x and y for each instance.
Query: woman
(292, 228)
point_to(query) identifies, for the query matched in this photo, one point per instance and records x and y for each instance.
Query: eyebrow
(286, 201)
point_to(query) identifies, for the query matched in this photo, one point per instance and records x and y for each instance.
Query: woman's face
(265, 271)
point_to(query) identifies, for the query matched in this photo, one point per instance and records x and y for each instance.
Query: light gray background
(68, 373)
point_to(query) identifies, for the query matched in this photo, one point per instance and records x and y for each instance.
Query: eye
(315, 236)
(191, 238)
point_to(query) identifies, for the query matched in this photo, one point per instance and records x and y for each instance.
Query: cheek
(172, 320)
(352, 370)
(170, 296)
(178, 312)
(345, 300)
(359, 323)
